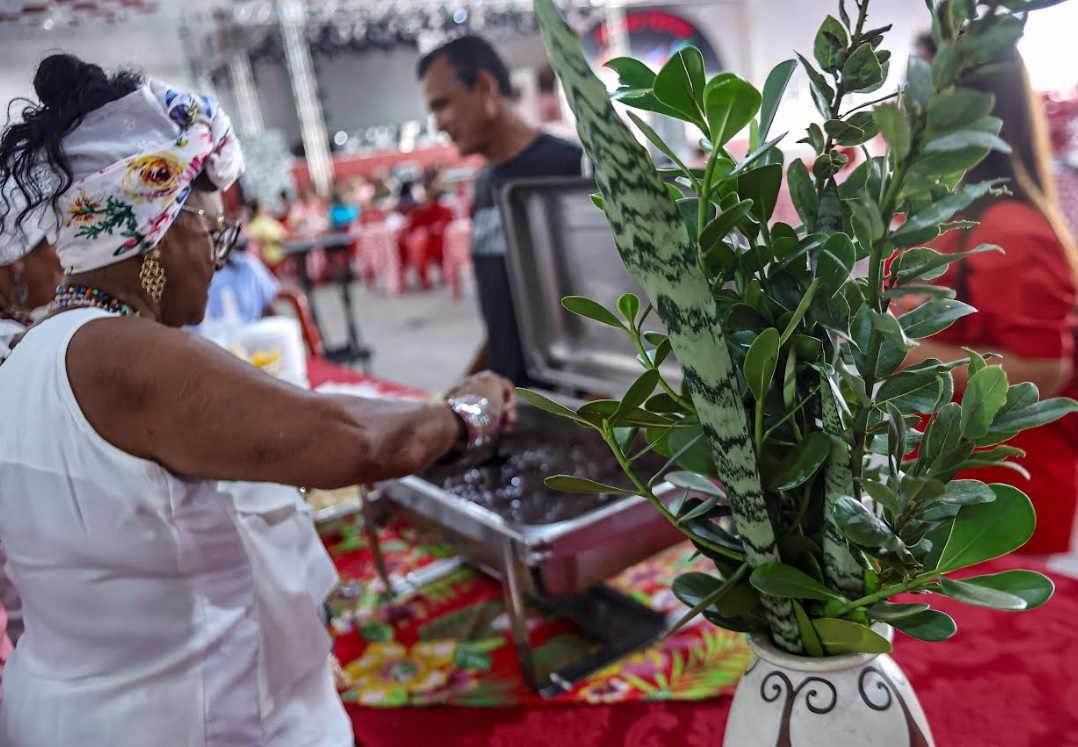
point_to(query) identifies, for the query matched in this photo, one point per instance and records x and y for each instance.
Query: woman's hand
(495, 389)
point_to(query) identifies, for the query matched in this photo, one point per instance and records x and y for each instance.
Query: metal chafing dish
(559, 245)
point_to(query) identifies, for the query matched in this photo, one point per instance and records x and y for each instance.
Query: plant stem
(914, 584)
(644, 490)
(867, 104)
(709, 600)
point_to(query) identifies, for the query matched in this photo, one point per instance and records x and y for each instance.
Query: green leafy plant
(815, 471)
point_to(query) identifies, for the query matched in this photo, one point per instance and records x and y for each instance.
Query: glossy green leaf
(830, 44)
(725, 222)
(860, 525)
(637, 394)
(774, 87)
(1033, 588)
(590, 309)
(681, 81)
(657, 141)
(780, 580)
(845, 133)
(966, 139)
(967, 492)
(805, 461)
(810, 639)
(985, 531)
(761, 186)
(632, 73)
(761, 361)
(930, 625)
(928, 264)
(895, 128)
(957, 107)
(835, 262)
(823, 95)
(862, 70)
(888, 611)
(1034, 415)
(941, 210)
(845, 637)
(933, 316)
(582, 485)
(694, 482)
(693, 450)
(543, 403)
(629, 306)
(980, 596)
(910, 392)
(802, 192)
(730, 103)
(985, 395)
(919, 88)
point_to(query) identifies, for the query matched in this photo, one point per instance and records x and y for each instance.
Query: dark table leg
(308, 287)
(356, 350)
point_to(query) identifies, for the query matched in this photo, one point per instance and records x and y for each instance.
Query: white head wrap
(134, 161)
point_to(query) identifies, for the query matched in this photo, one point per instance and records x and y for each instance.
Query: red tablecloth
(1006, 680)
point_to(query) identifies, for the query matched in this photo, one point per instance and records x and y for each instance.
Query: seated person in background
(407, 199)
(308, 216)
(267, 233)
(244, 284)
(342, 212)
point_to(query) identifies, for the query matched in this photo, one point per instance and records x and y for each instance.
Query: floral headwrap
(134, 161)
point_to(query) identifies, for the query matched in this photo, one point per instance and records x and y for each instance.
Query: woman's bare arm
(1050, 375)
(173, 398)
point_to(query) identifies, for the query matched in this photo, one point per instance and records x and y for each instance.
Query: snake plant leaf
(660, 255)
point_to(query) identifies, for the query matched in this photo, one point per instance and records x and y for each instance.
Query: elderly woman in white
(152, 615)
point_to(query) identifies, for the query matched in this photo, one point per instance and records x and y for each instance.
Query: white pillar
(290, 14)
(248, 110)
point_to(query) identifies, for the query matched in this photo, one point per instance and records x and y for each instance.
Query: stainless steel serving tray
(560, 244)
(557, 559)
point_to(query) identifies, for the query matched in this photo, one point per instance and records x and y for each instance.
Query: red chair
(297, 303)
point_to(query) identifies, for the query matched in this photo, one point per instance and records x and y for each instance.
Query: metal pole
(290, 15)
(248, 110)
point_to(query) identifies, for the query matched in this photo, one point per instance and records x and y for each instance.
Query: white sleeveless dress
(152, 611)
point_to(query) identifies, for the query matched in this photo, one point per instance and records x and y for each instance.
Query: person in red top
(1025, 299)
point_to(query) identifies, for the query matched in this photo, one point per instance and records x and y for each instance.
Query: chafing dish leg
(518, 614)
(371, 531)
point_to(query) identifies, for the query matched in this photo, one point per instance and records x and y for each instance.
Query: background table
(1005, 680)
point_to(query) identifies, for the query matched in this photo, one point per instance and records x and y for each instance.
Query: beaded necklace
(82, 297)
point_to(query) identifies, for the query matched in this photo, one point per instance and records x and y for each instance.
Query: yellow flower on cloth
(388, 673)
(151, 176)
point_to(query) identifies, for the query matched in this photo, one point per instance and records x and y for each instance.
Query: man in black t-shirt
(467, 88)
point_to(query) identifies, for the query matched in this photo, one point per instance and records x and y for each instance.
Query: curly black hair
(32, 158)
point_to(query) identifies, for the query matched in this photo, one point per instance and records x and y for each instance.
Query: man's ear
(486, 84)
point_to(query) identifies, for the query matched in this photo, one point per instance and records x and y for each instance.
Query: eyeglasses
(224, 234)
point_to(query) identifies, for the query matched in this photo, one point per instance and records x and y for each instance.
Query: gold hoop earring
(153, 278)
